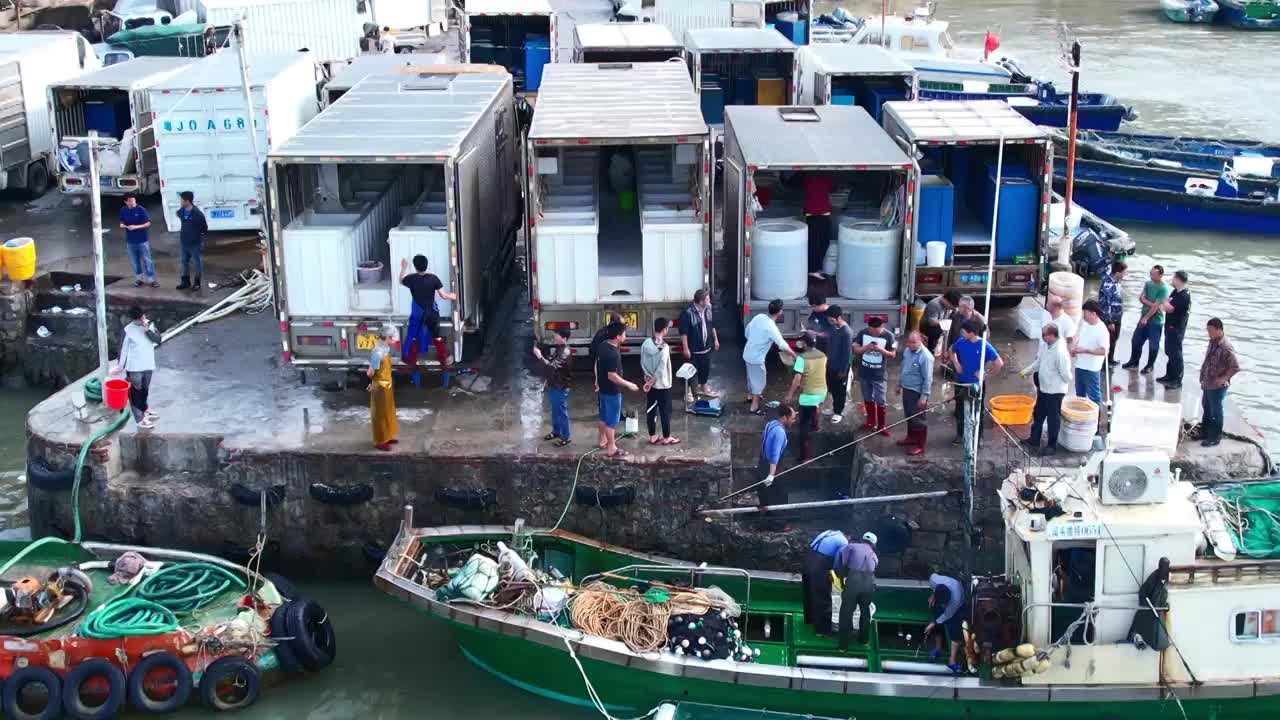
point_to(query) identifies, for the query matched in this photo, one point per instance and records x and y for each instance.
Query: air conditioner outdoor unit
(1135, 478)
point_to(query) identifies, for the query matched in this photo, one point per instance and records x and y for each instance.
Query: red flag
(989, 46)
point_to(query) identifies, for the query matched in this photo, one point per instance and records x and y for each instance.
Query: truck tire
(37, 180)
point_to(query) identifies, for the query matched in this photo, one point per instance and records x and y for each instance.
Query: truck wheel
(37, 180)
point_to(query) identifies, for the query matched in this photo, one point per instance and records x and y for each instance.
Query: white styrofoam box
(315, 246)
(1145, 425)
(421, 234)
(568, 261)
(672, 259)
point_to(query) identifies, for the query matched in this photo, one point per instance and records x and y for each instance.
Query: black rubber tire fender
(41, 476)
(22, 677)
(288, 660)
(284, 585)
(221, 669)
(314, 641)
(138, 698)
(467, 498)
(74, 706)
(248, 496)
(341, 494)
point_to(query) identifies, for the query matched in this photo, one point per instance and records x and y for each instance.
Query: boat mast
(1064, 245)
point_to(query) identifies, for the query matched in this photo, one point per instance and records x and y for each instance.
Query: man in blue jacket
(191, 239)
(135, 221)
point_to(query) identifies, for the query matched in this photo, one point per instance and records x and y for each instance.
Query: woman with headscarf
(1147, 629)
(382, 400)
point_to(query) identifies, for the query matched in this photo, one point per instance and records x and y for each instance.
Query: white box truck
(201, 126)
(769, 152)
(957, 148)
(748, 66)
(30, 62)
(624, 42)
(329, 29)
(114, 101)
(864, 75)
(618, 202)
(681, 16)
(423, 161)
(519, 35)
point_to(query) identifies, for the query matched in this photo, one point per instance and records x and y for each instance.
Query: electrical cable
(569, 502)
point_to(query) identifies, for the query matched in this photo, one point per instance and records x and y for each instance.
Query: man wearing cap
(815, 579)
(856, 566)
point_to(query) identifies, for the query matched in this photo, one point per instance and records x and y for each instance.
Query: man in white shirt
(1053, 366)
(1053, 313)
(1093, 341)
(761, 333)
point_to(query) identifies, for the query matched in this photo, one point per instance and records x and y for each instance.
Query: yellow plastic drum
(20, 258)
(1012, 409)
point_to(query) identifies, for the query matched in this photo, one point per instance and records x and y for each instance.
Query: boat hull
(1088, 117)
(1249, 16)
(1129, 204)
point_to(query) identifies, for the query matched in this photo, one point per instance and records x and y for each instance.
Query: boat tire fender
(314, 641)
(284, 586)
(137, 692)
(92, 669)
(42, 476)
(341, 494)
(248, 496)
(467, 498)
(285, 655)
(246, 676)
(19, 680)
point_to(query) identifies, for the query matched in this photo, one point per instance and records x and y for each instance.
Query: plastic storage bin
(712, 103)
(842, 99)
(771, 89)
(935, 217)
(537, 53)
(1018, 217)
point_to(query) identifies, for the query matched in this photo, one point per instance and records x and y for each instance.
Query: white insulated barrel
(870, 260)
(780, 260)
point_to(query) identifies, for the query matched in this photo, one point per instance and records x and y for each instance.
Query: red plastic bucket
(115, 393)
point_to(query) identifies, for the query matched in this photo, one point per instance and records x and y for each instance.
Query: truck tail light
(866, 317)
(929, 278)
(72, 181)
(1018, 277)
(563, 324)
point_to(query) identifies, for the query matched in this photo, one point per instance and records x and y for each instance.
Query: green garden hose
(93, 390)
(128, 617)
(187, 587)
(84, 452)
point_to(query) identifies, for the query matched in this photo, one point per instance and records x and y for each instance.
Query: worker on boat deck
(773, 443)
(947, 605)
(815, 579)
(424, 314)
(382, 399)
(856, 567)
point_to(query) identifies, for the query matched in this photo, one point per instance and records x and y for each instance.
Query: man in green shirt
(810, 381)
(1151, 324)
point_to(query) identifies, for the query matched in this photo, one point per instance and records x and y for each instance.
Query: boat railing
(693, 571)
(1088, 611)
(1225, 573)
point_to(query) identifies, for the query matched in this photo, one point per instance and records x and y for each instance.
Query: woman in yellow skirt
(382, 399)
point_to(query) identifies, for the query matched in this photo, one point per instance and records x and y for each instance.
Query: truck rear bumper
(584, 320)
(1009, 281)
(78, 184)
(346, 343)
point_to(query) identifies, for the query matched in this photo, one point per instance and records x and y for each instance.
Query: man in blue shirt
(815, 579)
(190, 239)
(773, 443)
(135, 221)
(969, 353)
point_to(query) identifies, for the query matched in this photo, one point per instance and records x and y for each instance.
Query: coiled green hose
(93, 390)
(187, 587)
(128, 617)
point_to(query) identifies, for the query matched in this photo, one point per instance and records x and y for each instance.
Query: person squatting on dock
(698, 339)
(1178, 309)
(946, 602)
(761, 333)
(557, 370)
(1151, 325)
(810, 382)
(773, 443)
(1111, 300)
(424, 314)
(655, 363)
(137, 361)
(815, 579)
(915, 382)
(1053, 367)
(1217, 370)
(382, 398)
(192, 229)
(968, 354)
(856, 567)
(873, 346)
(135, 221)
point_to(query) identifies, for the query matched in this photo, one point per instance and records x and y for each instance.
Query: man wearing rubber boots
(424, 315)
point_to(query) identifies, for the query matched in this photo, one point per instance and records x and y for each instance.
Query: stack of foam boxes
(671, 226)
(568, 228)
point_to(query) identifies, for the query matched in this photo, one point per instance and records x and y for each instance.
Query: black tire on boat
(288, 660)
(341, 494)
(314, 641)
(137, 690)
(19, 680)
(46, 478)
(241, 672)
(75, 707)
(284, 586)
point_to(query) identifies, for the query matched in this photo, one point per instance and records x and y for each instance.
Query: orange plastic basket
(1012, 409)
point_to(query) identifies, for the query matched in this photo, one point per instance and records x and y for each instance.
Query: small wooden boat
(1247, 157)
(1189, 11)
(1250, 14)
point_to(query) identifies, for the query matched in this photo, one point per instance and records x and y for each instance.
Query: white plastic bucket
(1079, 424)
(935, 253)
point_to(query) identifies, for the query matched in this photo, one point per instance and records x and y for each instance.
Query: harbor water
(394, 663)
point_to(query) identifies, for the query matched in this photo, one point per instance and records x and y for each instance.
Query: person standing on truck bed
(698, 339)
(817, 215)
(135, 221)
(424, 315)
(191, 239)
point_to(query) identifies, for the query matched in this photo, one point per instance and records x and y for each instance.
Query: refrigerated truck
(116, 102)
(864, 75)
(680, 16)
(498, 32)
(599, 241)
(737, 55)
(774, 142)
(957, 148)
(624, 42)
(201, 126)
(31, 61)
(328, 29)
(416, 161)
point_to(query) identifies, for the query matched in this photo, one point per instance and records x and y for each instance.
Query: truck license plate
(106, 182)
(366, 341)
(222, 213)
(973, 278)
(631, 319)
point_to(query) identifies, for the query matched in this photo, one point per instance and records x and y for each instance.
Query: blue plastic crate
(712, 104)
(537, 53)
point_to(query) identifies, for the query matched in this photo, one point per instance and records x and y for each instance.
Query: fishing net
(1253, 517)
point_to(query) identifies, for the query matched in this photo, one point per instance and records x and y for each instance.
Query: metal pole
(252, 122)
(1064, 245)
(99, 258)
(825, 503)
